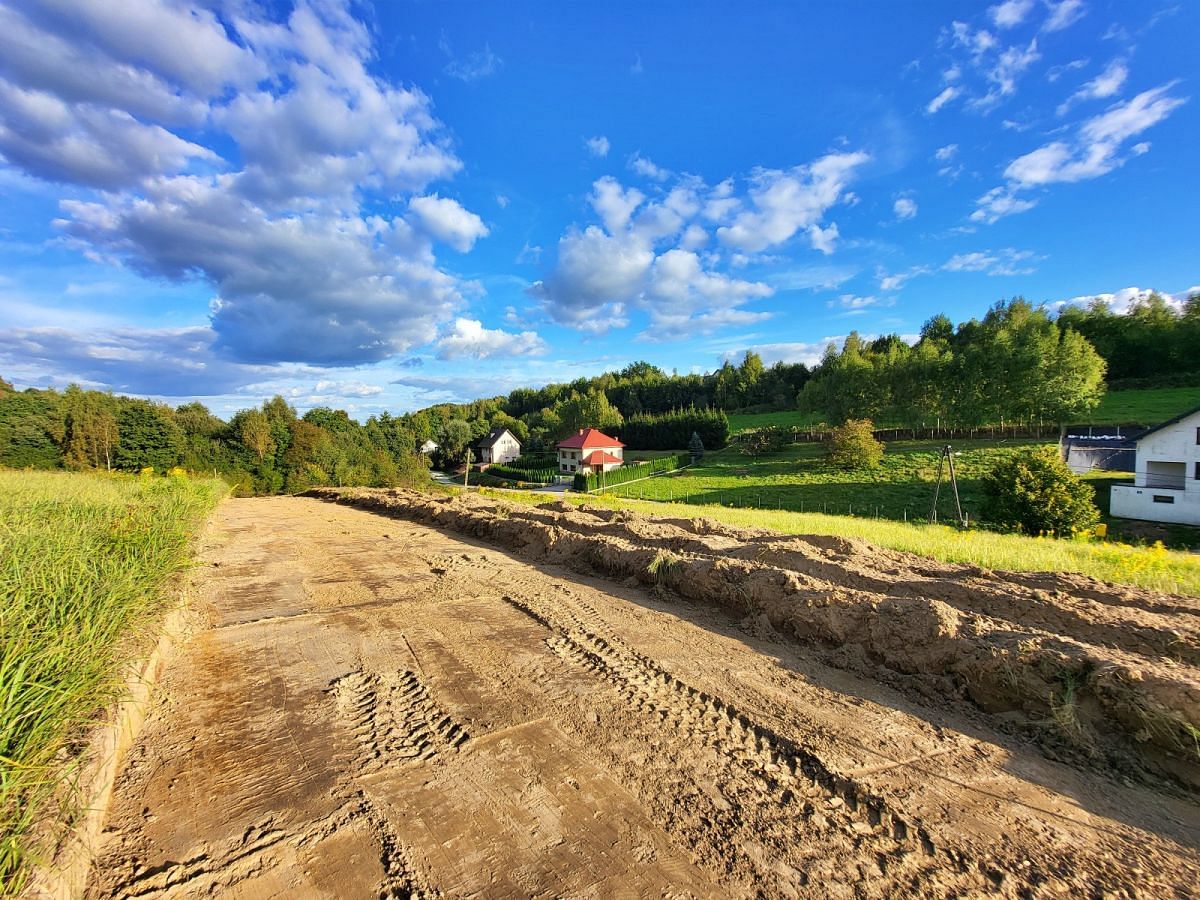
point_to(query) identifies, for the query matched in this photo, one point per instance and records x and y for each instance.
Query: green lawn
(85, 565)
(790, 418)
(1150, 567)
(1144, 407)
(798, 479)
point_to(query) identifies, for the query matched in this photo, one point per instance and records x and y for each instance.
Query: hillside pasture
(798, 479)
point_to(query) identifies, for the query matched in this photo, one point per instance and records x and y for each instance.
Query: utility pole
(467, 471)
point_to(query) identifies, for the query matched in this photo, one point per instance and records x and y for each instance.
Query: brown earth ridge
(464, 698)
(1101, 670)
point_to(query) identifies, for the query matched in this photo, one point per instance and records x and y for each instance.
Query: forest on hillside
(1018, 364)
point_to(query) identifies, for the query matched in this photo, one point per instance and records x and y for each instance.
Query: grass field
(798, 479)
(1144, 407)
(85, 561)
(902, 488)
(789, 418)
(1149, 567)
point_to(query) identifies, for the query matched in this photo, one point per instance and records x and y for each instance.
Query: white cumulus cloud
(304, 273)
(947, 94)
(647, 169)
(1096, 149)
(1106, 84)
(1063, 14)
(784, 202)
(1010, 12)
(468, 339)
(447, 221)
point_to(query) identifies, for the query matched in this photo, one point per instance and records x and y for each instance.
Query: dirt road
(383, 708)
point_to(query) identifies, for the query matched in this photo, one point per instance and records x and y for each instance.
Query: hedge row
(535, 461)
(673, 430)
(631, 473)
(542, 476)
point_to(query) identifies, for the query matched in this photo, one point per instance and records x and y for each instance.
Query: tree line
(263, 450)
(1151, 345)
(640, 392)
(1017, 365)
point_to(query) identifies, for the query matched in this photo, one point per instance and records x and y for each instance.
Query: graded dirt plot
(385, 708)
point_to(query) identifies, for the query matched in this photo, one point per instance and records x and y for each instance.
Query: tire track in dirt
(784, 778)
(394, 719)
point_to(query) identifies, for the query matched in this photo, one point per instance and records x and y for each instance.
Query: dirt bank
(1094, 669)
(385, 708)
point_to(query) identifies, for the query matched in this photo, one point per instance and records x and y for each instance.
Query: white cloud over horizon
(645, 254)
(468, 339)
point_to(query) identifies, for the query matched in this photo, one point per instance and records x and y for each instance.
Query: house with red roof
(590, 451)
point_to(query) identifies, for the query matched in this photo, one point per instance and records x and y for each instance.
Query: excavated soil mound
(1100, 673)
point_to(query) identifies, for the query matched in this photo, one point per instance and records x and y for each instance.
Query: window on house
(1163, 498)
(1198, 471)
(1198, 434)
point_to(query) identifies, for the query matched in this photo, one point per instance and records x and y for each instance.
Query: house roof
(496, 434)
(588, 438)
(600, 458)
(1167, 424)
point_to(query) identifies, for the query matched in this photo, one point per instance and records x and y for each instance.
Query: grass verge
(1154, 568)
(85, 564)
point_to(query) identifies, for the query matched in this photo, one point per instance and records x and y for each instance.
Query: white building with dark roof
(1166, 485)
(501, 446)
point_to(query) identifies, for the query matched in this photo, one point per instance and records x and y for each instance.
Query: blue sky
(383, 207)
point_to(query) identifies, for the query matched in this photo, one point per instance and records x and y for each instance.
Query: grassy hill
(1145, 407)
(797, 478)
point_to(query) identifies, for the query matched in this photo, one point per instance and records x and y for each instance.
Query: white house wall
(1174, 445)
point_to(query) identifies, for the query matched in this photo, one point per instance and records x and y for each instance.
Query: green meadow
(798, 479)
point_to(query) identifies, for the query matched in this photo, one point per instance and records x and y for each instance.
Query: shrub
(768, 439)
(853, 446)
(1035, 492)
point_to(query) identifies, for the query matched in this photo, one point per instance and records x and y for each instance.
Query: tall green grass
(1149, 567)
(85, 563)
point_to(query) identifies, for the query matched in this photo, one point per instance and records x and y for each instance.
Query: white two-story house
(499, 447)
(1166, 487)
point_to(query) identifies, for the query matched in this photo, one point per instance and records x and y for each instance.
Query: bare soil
(465, 699)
